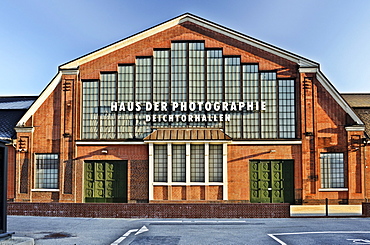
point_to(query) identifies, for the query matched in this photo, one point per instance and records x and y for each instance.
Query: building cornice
(355, 128)
(24, 129)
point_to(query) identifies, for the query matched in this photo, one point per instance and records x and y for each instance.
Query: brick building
(190, 111)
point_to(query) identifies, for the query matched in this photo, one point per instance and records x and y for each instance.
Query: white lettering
(138, 106)
(225, 106)
(216, 106)
(263, 105)
(174, 106)
(192, 106)
(208, 106)
(113, 106)
(163, 106)
(148, 106)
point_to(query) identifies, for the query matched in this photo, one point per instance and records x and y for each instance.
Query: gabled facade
(190, 111)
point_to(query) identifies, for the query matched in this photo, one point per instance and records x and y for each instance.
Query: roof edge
(338, 98)
(40, 100)
(302, 61)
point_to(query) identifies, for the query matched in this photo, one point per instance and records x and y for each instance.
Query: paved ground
(87, 231)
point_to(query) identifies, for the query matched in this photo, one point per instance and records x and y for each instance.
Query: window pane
(197, 163)
(268, 95)
(47, 168)
(90, 106)
(107, 95)
(286, 109)
(126, 95)
(251, 124)
(232, 94)
(160, 163)
(215, 163)
(178, 163)
(143, 93)
(332, 170)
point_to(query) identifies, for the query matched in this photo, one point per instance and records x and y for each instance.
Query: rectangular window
(215, 163)
(178, 163)
(332, 170)
(143, 93)
(188, 72)
(268, 94)
(107, 95)
(90, 107)
(286, 109)
(197, 163)
(47, 171)
(160, 163)
(126, 95)
(251, 118)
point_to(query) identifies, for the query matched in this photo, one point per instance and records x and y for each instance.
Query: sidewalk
(319, 210)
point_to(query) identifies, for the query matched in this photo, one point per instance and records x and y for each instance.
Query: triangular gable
(303, 63)
(201, 22)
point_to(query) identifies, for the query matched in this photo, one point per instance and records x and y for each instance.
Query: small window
(47, 171)
(160, 163)
(332, 170)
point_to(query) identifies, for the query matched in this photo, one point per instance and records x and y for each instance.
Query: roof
(193, 134)
(12, 108)
(357, 99)
(304, 64)
(16, 102)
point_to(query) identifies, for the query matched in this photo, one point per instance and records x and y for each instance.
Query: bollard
(327, 207)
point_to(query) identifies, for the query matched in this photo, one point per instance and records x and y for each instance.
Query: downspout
(365, 161)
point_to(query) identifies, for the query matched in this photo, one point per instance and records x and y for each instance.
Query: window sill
(53, 190)
(334, 189)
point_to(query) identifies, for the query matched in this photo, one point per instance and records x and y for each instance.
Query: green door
(271, 181)
(106, 181)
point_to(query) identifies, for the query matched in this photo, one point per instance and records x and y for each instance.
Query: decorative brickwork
(139, 184)
(366, 209)
(141, 210)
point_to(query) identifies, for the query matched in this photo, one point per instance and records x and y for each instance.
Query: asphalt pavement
(296, 230)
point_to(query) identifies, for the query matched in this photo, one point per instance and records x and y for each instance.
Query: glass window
(178, 163)
(197, 163)
(160, 163)
(215, 163)
(251, 123)
(332, 170)
(125, 128)
(286, 109)
(269, 95)
(90, 107)
(107, 96)
(47, 169)
(189, 72)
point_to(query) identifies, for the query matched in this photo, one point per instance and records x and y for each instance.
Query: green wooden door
(271, 181)
(106, 181)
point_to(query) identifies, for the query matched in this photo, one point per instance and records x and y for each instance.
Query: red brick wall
(188, 31)
(322, 116)
(238, 165)
(140, 210)
(11, 173)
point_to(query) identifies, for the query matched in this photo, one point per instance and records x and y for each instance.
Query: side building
(190, 111)
(12, 108)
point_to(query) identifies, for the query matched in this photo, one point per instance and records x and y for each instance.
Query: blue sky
(37, 35)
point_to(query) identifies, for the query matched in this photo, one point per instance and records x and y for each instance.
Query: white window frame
(188, 181)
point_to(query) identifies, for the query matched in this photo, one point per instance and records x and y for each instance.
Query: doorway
(106, 181)
(272, 181)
